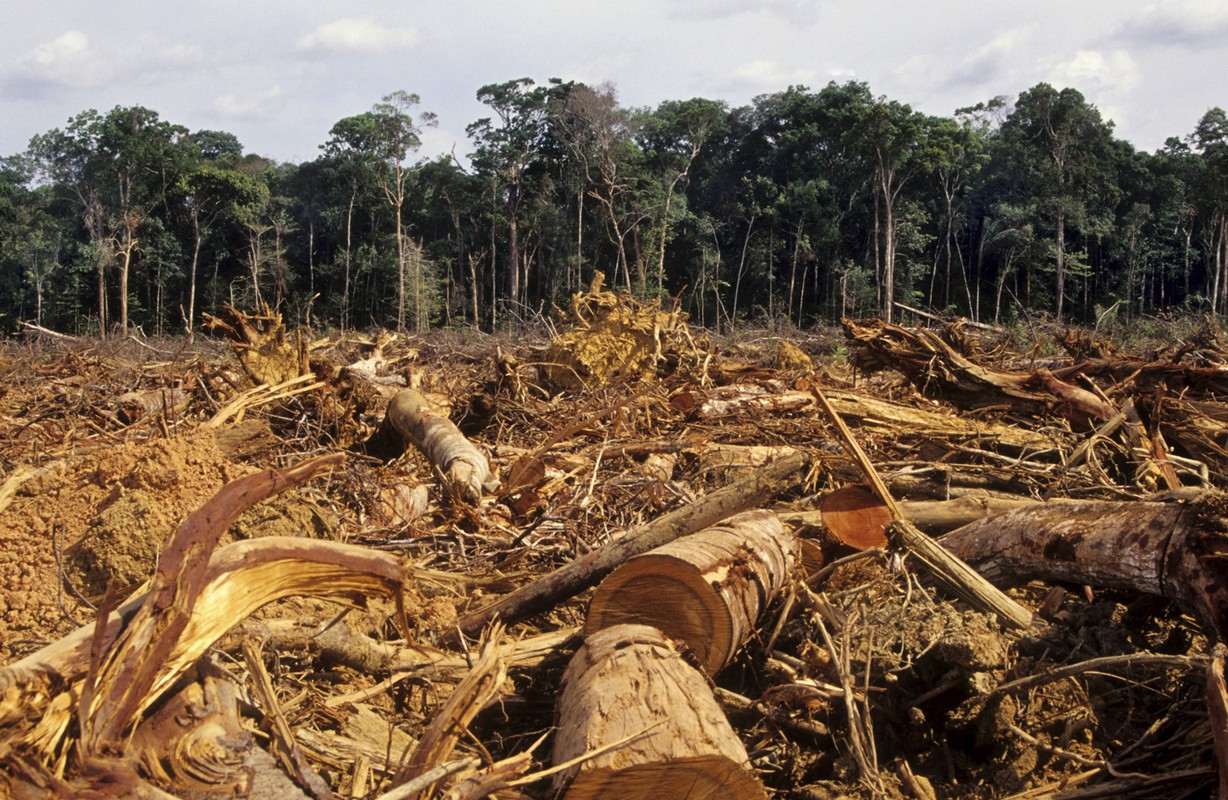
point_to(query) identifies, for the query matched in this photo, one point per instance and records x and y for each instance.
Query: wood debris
(326, 614)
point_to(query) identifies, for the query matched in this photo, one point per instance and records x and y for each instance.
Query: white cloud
(64, 61)
(357, 36)
(763, 74)
(987, 63)
(1092, 69)
(72, 61)
(257, 106)
(1186, 23)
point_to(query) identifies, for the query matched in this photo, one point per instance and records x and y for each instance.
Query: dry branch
(938, 370)
(629, 681)
(953, 573)
(587, 570)
(706, 590)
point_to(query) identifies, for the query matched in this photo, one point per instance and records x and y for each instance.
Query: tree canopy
(804, 205)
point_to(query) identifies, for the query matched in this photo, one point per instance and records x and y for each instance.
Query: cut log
(462, 464)
(587, 570)
(853, 516)
(629, 685)
(1172, 550)
(706, 590)
(931, 516)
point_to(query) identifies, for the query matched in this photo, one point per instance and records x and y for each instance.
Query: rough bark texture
(706, 590)
(462, 464)
(1173, 550)
(628, 691)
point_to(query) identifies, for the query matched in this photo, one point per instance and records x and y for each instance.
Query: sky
(279, 73)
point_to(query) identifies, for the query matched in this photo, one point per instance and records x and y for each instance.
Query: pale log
(1172, 550)
(629, 685)
(587, 570)
(464, 466)
(931, 516)
(706, 590)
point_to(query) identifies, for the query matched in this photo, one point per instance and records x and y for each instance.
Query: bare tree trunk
(1172, 550)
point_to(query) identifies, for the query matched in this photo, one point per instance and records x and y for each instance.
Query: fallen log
(931, 516)
(628, 683)
(706, 590)
(1171, 550)
(587, 570)
(462, 464)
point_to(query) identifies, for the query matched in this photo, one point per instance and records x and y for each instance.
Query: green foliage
(802, 206)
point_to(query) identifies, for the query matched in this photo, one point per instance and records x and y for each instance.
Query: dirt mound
(96, 519)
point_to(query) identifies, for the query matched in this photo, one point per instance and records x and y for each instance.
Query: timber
(706, 590)
(463, 465)
(628, 686)
(1167, 549)
(767, 482)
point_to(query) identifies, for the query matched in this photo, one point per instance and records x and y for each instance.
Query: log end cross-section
(706, 590)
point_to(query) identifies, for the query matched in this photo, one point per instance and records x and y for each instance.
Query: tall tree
(385, 138)
(119, 167)
(205, 196)
(507, 147)
(1060, 148)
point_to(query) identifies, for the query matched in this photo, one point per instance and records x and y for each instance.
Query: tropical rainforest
(802, 207)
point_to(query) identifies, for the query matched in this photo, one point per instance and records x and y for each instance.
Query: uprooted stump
(706, 590)
(614, 336)
(259, 339)
(649, 723)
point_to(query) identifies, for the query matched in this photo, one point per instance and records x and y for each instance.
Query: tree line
(803, 206)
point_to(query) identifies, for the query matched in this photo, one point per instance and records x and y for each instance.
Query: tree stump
(629, 691)
(706, 590)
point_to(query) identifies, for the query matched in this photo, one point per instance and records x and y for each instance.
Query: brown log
(628, 687)
(464, 466)
(1172, 550)
(590, 568)
(706, 590)
(931, 516)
